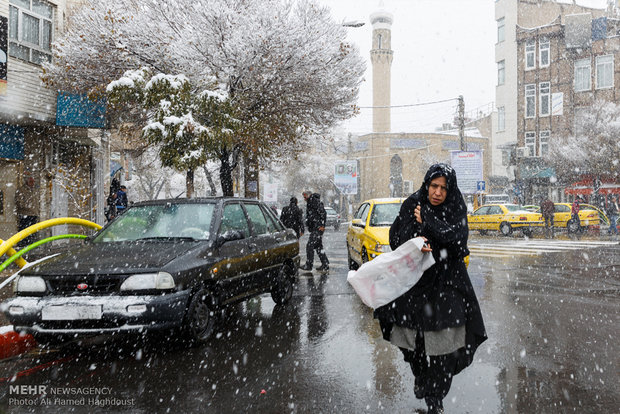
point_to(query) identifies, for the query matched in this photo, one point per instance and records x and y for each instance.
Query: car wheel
(352, 264)
(505, 229)
(527, 232)
(283, 289)
(336, 226)
(573, 226)
(200, 317)
(364, 255)
(483, 232)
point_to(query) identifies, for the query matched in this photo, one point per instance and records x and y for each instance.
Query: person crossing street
(315, 222)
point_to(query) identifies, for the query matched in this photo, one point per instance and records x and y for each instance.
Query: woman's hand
(427, 247)
(418, 214)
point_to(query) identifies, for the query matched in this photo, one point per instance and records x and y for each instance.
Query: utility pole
(461, 122)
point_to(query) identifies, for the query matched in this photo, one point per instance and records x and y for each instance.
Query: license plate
(71, 312)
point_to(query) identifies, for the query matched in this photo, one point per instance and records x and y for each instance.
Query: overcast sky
(442, 49)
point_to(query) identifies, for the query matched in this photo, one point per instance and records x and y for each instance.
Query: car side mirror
(357, 222)
(230, 235)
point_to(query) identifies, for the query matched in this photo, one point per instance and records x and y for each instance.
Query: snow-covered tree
(594, 149)
(284, 67)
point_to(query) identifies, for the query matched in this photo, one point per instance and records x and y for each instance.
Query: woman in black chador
(437, 324)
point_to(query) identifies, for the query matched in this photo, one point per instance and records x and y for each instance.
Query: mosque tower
(381, 56)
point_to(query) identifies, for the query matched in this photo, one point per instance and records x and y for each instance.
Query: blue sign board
(76, 110)
(481, 186)
(11, 142)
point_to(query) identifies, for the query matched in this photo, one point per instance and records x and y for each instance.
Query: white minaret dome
(381, 19)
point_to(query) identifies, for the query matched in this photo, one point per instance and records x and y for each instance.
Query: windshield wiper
(166, 238)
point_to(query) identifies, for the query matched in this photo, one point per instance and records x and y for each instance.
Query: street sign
(468, 167)
(481, 185)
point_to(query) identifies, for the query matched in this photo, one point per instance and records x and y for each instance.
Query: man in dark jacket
(121, 200)
(437, 324)
(547, 209)
(315, 221)
(293, 218)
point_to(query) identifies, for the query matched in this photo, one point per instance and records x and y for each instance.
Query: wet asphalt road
(552, 321)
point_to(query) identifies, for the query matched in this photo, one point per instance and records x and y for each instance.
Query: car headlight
(148, 281)
(382, 248)
(29, 284)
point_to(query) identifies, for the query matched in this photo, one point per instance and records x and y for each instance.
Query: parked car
(333, 218)
(504, 218)
(368, 233)
(162, 264)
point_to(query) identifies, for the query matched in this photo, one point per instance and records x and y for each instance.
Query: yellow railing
(7, 246)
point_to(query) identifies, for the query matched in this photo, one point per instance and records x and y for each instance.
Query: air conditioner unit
(522, 152)
(407, 187)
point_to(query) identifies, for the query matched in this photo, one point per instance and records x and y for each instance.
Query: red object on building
(12, 343)
(586, 187)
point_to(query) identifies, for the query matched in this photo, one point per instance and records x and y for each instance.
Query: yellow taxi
(588, 216)
(368, 234)
(369, 231)
(504, 218)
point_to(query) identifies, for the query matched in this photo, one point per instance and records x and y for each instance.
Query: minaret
(381, 56)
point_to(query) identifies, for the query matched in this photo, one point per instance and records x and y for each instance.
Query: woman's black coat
(444, 297)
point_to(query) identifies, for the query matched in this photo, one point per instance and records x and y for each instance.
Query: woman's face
(437, 190)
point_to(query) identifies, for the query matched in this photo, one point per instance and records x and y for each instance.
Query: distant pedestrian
(27, 208)
(110, 210)
(315, 221)
(121, 200)
(613, 210)
(547, 209)
(574, 212)
(293, 218)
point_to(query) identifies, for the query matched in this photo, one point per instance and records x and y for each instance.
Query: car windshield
(513, 207)
(160, 222)
(384, 214)
(330, 211)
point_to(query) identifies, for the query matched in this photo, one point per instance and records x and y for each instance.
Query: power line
(409, 105)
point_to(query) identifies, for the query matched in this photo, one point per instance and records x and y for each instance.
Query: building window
(604, 71)
(530, 100)
(544, 49)
(543, 139)
(501, 118)
(545, 98)
(30, 30)
(530, 54)
(379, 41)
(579, 118)
(501, 72)
(583, 75)
(530, 143)
(501, 24)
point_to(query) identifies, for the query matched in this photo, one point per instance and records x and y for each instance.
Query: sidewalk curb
(13, 344)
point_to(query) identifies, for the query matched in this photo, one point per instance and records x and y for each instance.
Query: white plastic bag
(391, 274)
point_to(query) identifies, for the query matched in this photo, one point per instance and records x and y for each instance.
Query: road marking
(509, 248)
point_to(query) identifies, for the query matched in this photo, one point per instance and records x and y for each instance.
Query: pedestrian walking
(574, 212)
(27, 208)
(437, 324)
(613, 210)
(293, 218)
(315, 222)
(121, 200)
(110, 210)
(547, 208)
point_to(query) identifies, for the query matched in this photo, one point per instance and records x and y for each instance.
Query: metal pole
(461, 122)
